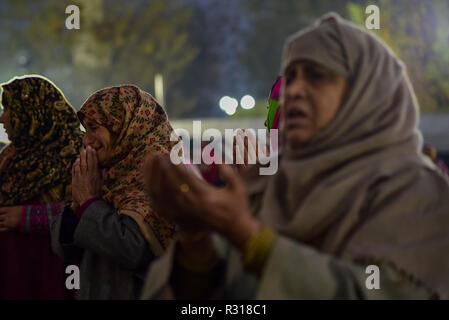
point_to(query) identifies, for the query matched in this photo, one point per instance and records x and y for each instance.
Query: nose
(87, 140)
(297, 87)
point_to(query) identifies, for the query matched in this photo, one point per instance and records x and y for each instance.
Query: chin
(297, 138)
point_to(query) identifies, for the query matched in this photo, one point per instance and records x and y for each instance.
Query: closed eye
(314, 74)
(290, 76)
(91, 126)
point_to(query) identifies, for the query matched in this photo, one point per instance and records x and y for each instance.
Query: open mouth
(296, 114)
(295, 118)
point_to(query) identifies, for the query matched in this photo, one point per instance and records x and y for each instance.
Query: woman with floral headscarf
(35, 170)
(355, 211)
(111, 218)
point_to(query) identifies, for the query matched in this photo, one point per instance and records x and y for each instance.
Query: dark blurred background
(206, 49)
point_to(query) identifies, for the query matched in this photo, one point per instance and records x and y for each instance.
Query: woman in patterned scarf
(111, 217)
(34, 169)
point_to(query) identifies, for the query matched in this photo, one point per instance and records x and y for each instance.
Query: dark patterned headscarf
(140, 127)
(46, 141)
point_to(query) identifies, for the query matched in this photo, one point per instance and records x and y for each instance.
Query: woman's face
(5, 119)
(99, 138)
(311, 97)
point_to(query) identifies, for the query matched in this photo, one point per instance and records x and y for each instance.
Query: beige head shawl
(361, 190)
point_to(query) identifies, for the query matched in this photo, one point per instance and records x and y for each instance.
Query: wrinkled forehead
(88, 121)
(110, 107)
(99, 105)
(321, 44)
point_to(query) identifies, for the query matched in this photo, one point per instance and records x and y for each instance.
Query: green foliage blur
(116, 44)
(416, 30)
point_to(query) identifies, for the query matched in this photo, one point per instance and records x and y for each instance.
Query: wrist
(24, 219)
(193, 238)
(86, 198)
(257, 250)
(243, 230)
(75, 206)
(85, 205)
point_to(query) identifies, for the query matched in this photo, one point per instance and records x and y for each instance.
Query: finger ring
(184, 187)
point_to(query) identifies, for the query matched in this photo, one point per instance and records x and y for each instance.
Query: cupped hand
(87, 179)
(194, 204)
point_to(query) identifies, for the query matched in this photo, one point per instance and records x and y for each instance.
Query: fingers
(248, 146)
(232, 179)
(164, 187)
(170, 180)
(239, 150)
(92, 160)
(244, 141)
(87, 161)
(181, 174)
(252, 147)
(83, 162)
(76, 168)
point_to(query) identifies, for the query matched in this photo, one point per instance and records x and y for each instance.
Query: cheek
(6, 119)
(89, 139)
(106, 141)
(8, 123)
(326, 107)
(100, 155)
(298, 137)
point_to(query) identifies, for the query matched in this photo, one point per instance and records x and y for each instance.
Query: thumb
(230, 177)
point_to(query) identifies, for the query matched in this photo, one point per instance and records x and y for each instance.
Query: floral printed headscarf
(47, 139)
(139, 126)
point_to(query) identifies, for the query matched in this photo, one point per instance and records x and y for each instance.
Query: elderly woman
(35, 169)
(111, 219)
(353, 193)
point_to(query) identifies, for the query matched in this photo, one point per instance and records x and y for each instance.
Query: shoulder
(416, 185)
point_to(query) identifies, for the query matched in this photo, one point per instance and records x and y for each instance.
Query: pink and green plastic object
(273, 105)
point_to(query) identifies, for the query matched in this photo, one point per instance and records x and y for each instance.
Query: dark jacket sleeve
(61, 231)
(106, 233)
